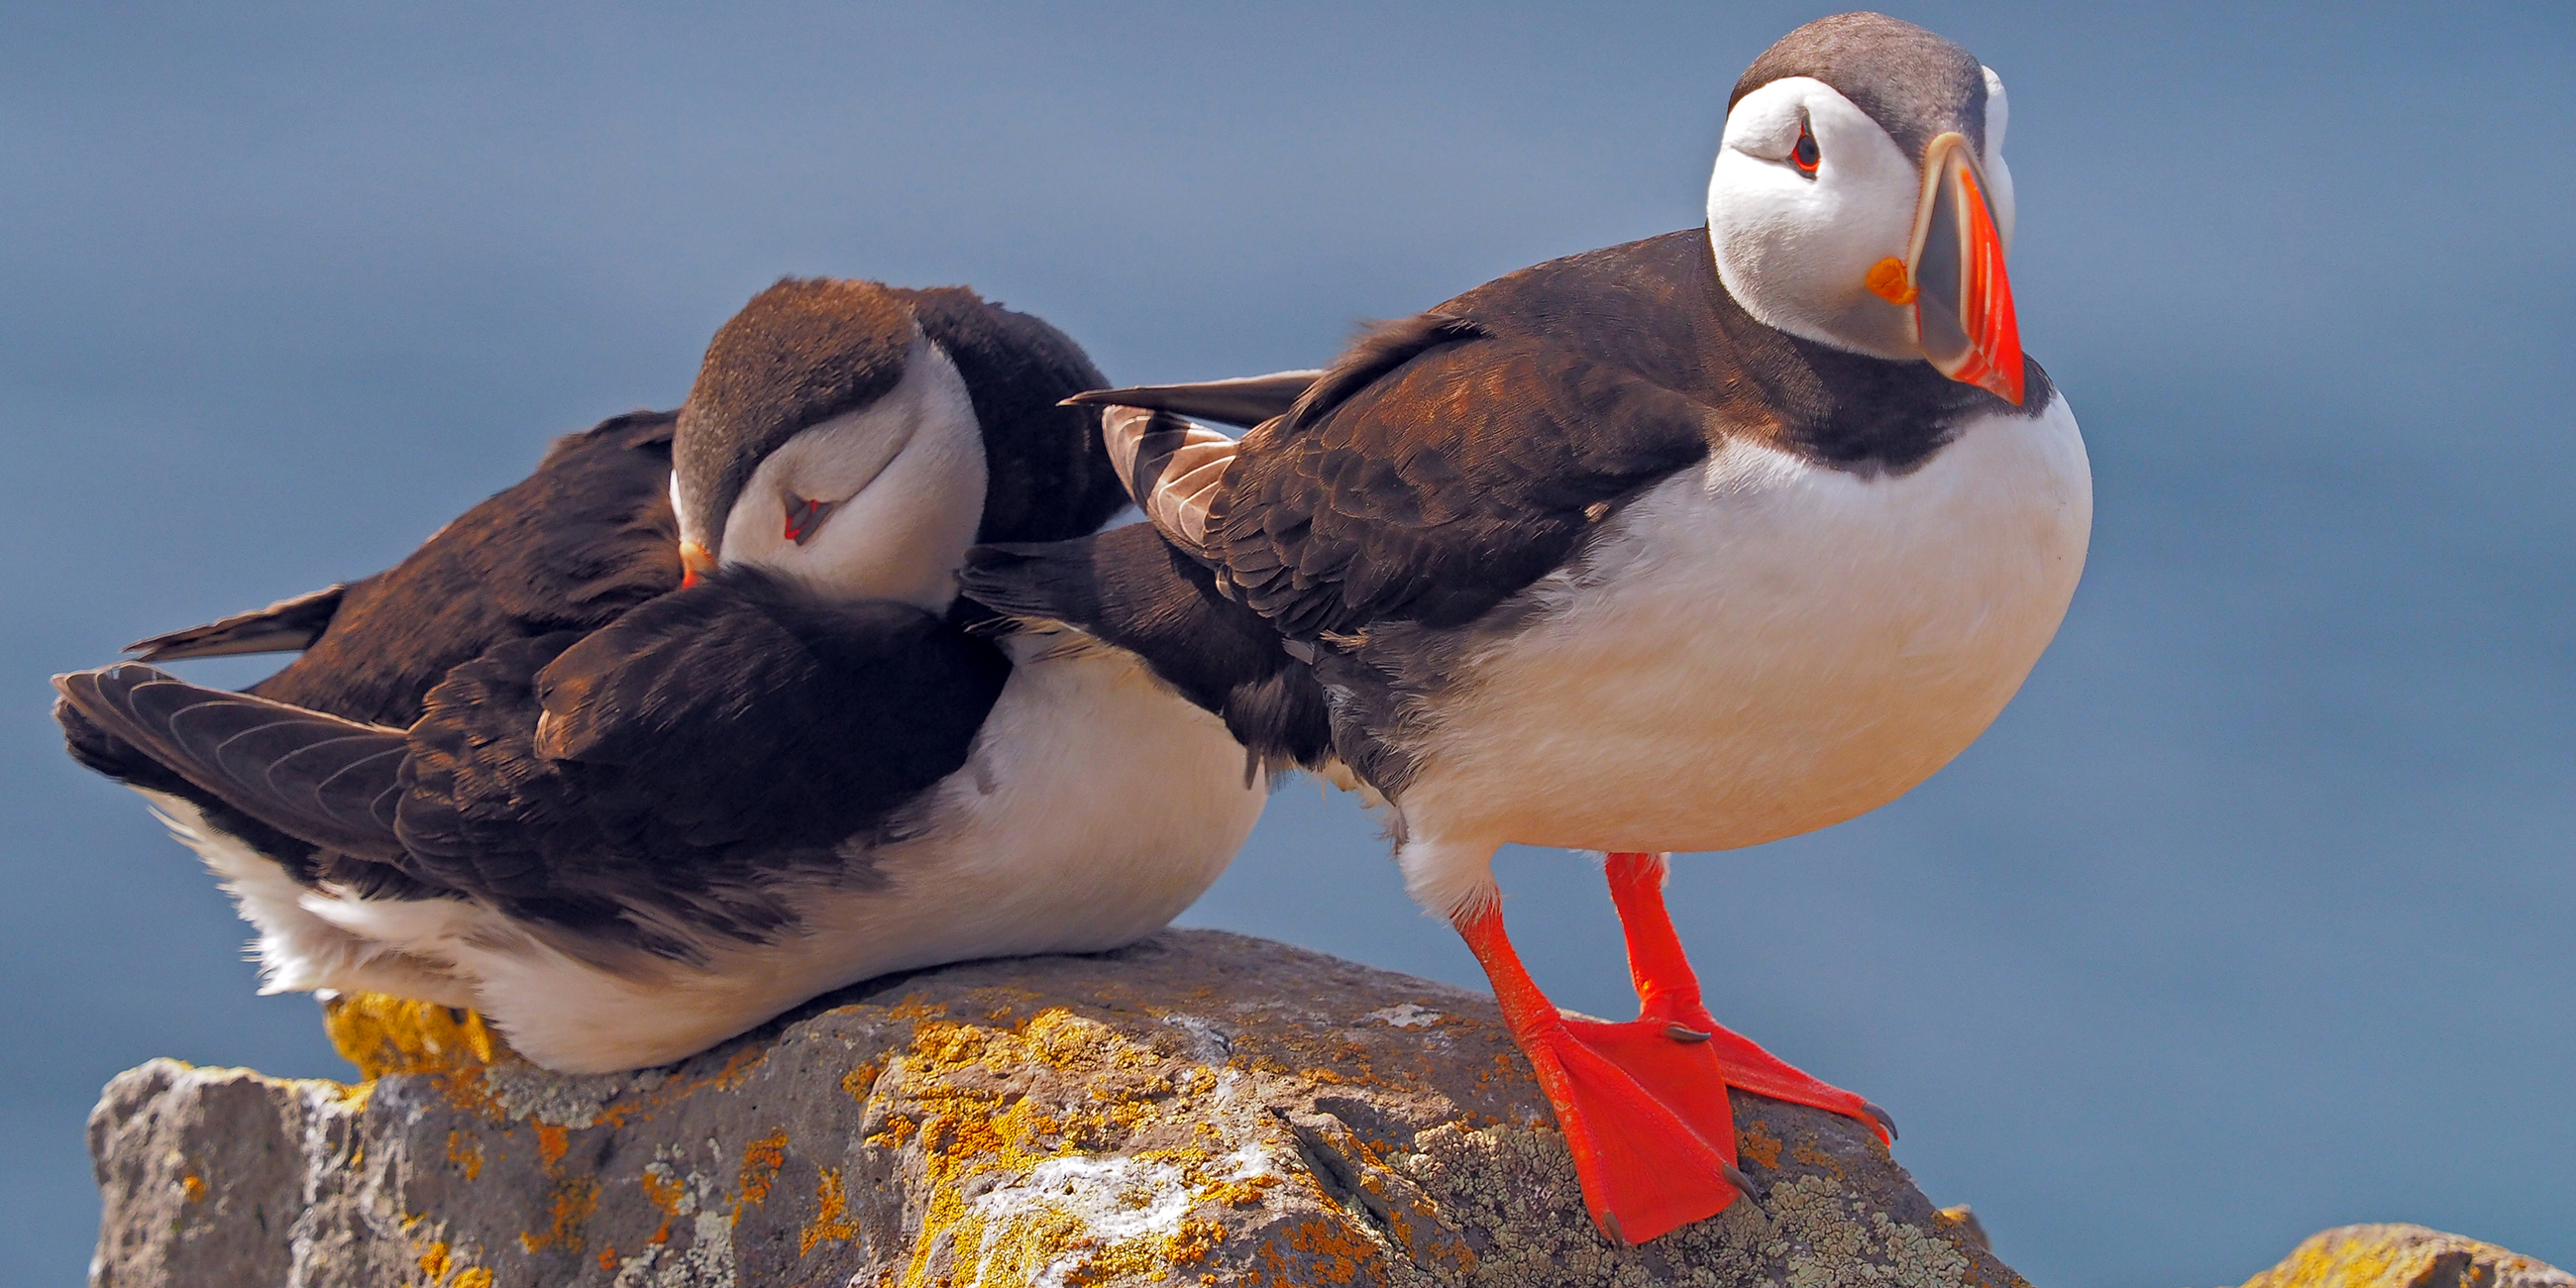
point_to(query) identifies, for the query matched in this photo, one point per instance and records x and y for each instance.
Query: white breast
(1757, 648)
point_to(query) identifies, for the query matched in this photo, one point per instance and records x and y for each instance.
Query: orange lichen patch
(608, 1259)
(663, 1190)
(737, 1068)
(761, 1160)
(464, 1155)
(829, 1223)
(434, 1264)
(571, 1204)
(1757, 1144)
(552, 1141)
(383, 1035)
(860, 1081)
(1814, 1157)
(192, 1188)
(1334, 1254)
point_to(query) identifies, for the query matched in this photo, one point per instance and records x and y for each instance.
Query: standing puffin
(640, 821)
(1687, 544)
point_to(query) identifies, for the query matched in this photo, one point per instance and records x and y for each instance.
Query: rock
(1201, 1108)
(2405, 1256)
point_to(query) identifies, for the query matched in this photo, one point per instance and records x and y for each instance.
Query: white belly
(1758, 648)
(1094, 808)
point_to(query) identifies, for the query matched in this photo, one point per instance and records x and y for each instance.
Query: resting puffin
(1692, 543)
(636, 822)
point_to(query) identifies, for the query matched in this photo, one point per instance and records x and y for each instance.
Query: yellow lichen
(1241, 1193)
(433, 1264)
(1194, 1242)
(478, 1277)
(388, 1035)
(975, 1136)
(2391, 1256)
(192, 1188)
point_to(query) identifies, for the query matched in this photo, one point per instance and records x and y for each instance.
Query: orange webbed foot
(1644, 1112)
(1668, 990)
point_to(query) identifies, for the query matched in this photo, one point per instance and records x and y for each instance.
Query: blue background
(2250, 917)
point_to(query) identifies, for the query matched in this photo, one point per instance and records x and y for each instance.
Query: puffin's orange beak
(1954, 276)
(695, 563)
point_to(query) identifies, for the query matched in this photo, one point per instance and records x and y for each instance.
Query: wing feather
(325, 780)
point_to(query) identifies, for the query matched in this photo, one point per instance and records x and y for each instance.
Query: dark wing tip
(283, 627)
(1242, 400)
(295, 770)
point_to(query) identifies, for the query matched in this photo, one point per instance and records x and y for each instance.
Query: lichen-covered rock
(2405, 1256)
(1201, 1108)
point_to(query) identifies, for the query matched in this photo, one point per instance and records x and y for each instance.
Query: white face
(877, 503)
(1796, 246)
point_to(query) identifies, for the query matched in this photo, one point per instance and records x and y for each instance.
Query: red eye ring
(1804, 154)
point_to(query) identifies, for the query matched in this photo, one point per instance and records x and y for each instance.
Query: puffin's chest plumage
(1758, 647)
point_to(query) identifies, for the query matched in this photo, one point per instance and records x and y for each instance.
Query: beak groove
(1963, 306)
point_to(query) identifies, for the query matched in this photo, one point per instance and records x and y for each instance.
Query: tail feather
(287, 626)
(1245, 401)
(1171, 466)
(331, 782)
(1130, 588)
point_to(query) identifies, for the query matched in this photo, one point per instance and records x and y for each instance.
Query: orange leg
(1668, 996)
(1644, 1111)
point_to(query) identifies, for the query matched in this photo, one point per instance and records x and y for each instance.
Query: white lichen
(1410, 1015)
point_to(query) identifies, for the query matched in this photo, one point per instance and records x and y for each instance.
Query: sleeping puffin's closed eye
(805, 517)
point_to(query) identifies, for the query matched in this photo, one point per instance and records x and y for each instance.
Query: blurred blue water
(2249, 917)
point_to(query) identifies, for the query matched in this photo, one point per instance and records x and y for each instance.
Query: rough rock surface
(2405, 1256)
(1201, 1108)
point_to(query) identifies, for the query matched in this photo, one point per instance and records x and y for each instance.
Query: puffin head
(829, 441)
(1860, 198)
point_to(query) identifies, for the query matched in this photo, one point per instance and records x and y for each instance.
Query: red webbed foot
(1645, 1115)
(1669, 999)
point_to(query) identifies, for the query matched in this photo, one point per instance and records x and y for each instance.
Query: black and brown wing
(1433, 473)
(675, 768)
(587, 536)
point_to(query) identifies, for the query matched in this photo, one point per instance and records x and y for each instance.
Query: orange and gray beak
(695, 563)
(1954, 276)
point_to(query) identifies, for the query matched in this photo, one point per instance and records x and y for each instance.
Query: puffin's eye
(1804, 155)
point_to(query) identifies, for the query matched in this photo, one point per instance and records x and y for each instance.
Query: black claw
(1680, 1032)
(1881, 1115)
(1743, 1184)
(1610, 1225)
